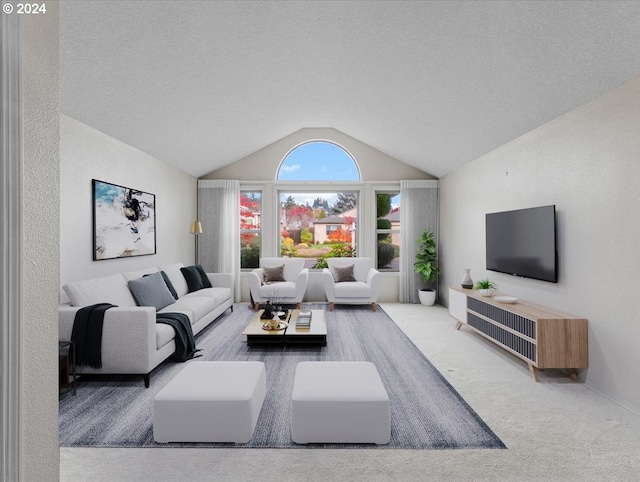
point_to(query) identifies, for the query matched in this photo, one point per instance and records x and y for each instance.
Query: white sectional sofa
(132, 341)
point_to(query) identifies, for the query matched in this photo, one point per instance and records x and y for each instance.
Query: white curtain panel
(219, 213)
(419, 212)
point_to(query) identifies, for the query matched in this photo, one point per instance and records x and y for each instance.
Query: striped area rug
(426, 412)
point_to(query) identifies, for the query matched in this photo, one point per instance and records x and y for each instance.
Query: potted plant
(426, 266)
(485, 286)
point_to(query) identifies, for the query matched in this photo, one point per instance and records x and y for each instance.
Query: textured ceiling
(201, 84)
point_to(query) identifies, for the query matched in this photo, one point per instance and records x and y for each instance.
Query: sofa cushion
(278, 291)
(195, 277)
(106, 289)
(343, 274)
(164, 334)
(356, 289)
(176, 277)
(220, 295)
(273, 274)
(196, 307)
(151, 290)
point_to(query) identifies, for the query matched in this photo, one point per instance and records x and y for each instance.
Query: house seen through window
(312, 224)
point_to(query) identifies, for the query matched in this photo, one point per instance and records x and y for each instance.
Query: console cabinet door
(458, 305)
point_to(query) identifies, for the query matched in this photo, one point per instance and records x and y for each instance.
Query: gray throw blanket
(185, 341)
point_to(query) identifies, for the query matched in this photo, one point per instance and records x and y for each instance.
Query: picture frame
(124, 221)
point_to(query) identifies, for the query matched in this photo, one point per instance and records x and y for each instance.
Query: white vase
(467, 282)
(487, 292)
(427, 297)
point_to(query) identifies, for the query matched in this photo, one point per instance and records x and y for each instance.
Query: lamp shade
(196, 227)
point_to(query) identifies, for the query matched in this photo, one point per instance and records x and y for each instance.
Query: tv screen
(523, 243)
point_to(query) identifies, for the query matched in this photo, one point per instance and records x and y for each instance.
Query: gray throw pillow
(273, 274)
(343, 273)
(168, 282)
(151, 290)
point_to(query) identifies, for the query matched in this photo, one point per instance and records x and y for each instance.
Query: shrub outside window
(388, 230)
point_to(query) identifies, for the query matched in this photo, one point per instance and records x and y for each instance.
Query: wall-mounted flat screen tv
(523, 243)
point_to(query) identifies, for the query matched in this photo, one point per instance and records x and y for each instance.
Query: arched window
(318, 161)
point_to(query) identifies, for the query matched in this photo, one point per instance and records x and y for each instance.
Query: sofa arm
(329, 285)
(374, 279)
(255, 281)
(128, 337)
(221, 280)
(302, 280)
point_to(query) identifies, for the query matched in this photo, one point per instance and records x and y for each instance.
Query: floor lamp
(196, 228)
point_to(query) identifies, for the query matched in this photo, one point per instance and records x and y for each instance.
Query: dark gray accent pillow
(195, 277)
(273, 274)
(343, 273)
(151, 290)
(205, 279)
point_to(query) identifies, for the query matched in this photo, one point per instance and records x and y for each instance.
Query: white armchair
(287, 285)
(363, 288)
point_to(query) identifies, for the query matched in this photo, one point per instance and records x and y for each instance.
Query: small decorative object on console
(506, 299)
(467, 282)
(485, 286)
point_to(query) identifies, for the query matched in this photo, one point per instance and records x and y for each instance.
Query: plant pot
(487, 292)
(427, 297)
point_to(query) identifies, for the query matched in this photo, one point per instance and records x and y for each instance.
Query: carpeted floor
(426, 412)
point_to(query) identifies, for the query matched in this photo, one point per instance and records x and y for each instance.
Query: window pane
(318, 225)
(249, 250)
(388, 230)
(250, 219)
(318, 161)
(250, 209)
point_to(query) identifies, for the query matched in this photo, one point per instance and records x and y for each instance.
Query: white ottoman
(339, 402)
(210, 402)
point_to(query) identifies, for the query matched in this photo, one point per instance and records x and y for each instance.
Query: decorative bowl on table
(274, 325)
(505, 299)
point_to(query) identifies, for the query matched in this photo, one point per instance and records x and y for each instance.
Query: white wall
(263, 165)
(587, 163)
(39, 325)
(87, 154)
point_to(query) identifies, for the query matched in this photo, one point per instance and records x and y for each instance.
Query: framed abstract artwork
(124, 221)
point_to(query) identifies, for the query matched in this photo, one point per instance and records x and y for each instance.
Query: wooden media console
(541, 336)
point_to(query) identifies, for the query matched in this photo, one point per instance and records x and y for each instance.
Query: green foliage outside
(386, 250)
(306, 236)
(286, 247)
(383, 223)
(250, 256)
(338, 251)
(345, 201)
(383, 205)
(386, 253)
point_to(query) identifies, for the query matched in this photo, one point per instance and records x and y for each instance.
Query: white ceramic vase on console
(467, 282)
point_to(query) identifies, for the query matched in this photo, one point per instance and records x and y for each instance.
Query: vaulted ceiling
(202, 84)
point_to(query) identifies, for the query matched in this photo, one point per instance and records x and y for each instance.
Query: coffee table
(314, 335)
